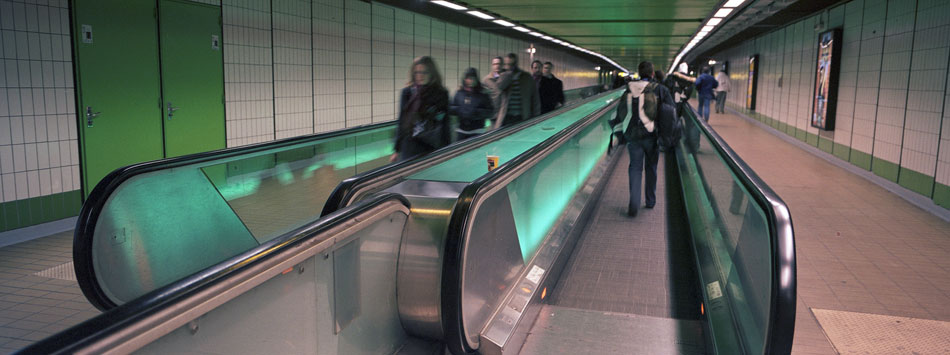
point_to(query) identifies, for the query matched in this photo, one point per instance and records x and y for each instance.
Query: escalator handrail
(124, 327)
(781, 324)
(460, 217)
(94, 204)
(349, 188)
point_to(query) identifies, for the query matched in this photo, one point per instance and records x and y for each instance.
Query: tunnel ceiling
(627, 31)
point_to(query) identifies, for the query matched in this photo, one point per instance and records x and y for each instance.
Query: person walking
(641, 136)
(471, 105)
(722, 77)
(422, 126)
(550, 89)
(522, 100)
(705, 84)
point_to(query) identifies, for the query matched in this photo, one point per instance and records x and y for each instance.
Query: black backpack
(669, 128)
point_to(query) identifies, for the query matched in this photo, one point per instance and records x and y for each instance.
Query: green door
(192, 77)
(116, 45)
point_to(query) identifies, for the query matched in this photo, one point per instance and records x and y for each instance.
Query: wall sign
(753, 82)
(826, 82)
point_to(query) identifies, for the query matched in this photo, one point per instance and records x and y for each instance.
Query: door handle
(171, 110)
(90, 115)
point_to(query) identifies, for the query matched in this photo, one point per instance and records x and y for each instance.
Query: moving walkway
(451, 256)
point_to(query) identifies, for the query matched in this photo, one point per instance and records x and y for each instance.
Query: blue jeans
(644, 148)
(704, 107)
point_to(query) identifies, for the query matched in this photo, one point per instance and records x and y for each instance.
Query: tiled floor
(33, 307)
(634, 265)
(860, 248)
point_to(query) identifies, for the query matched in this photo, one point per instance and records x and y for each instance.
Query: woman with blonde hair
(423, 126)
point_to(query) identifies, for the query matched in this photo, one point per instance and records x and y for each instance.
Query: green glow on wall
(539, 196)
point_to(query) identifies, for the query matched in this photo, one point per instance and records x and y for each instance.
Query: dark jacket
(426, 111)
(472, 108)
(530, 103)
(551, 93)
(637, 131)
(705, 84)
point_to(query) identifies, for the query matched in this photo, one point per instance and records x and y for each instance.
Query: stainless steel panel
(419, 272)
(491, 265)
(507, 329)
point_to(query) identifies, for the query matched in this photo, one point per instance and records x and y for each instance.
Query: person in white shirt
(723, 78)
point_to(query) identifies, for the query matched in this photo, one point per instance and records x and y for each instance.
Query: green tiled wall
(885, 169)
(842, 151)
(861, 159)
(942, 195)
(31, 211)
(917, 182)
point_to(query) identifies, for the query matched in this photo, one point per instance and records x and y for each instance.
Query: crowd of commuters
(504, 97)
(509, 95)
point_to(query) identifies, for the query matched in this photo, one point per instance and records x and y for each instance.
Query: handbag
(429, 132)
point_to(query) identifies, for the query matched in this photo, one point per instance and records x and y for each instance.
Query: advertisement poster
(753, 82)
(826, 81)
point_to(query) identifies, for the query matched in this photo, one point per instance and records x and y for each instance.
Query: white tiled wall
(928, 78)
(293, 65)
(248, 71)
(893, 102)
(385, 75)
(38, 133)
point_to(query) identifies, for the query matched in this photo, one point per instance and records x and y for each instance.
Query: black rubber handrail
(451, 292)
(781, 322)
(93, 206)
(118, 319)
(344, 193)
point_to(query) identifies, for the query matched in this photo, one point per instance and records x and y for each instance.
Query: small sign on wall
(215, 42)
(86, 33)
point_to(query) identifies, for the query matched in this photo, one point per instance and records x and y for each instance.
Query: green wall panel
(885, 169)
(811, 139)
(861, 159)
(31, 211)
(825, 145)
(842, 151)
(917, 182)
(942, 195)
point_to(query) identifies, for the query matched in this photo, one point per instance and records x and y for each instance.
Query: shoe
(650, 206)
(631, 212)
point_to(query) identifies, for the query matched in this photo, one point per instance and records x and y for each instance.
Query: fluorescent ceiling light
(707, 28)
(522, 29)
(723, 13)
(450, 5)
(547, 37)
(536, 34)
(713, 21)
(566, 44)
(480, 15)
(557, 41)
(504, 23)
(733, 3)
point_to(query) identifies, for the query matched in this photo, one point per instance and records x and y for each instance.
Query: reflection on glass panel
(157, 228)
(740, 238)
(293, 312)
(539, 195)
(277, 191)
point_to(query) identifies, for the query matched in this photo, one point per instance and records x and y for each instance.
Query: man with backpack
(647, 108)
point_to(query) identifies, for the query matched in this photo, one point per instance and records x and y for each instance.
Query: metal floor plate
(865, 333)
(560, 330)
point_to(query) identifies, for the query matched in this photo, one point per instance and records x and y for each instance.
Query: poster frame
(831, 101)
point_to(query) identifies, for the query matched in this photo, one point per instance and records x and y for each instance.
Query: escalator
(452, 257)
